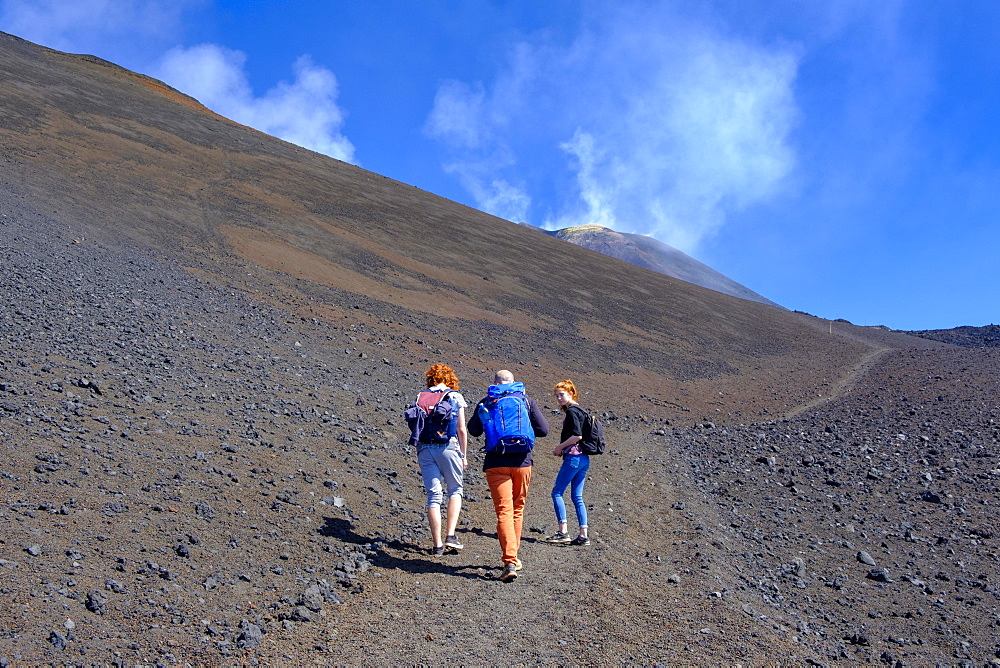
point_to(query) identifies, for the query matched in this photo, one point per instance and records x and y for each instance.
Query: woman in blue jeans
(573, 473)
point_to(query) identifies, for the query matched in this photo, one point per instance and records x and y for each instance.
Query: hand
(558, 451)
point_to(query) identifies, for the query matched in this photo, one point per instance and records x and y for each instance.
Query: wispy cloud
(663, 124)
(94, 25)
(303, 112)
(458, 114)
(462, 117)
(495, 196)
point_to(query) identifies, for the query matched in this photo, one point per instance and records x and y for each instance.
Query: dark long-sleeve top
(493, 460)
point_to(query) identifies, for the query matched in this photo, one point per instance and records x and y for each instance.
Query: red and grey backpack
(432, 418)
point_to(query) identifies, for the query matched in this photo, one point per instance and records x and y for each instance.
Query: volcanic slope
(653, 254)
(208, 341)
(122, 157)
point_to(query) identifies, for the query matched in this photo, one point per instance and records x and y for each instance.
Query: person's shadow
(525, 538)
(412, 559)
(338, 527)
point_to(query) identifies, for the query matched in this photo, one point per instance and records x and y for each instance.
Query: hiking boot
(437, 551)
(452, 542)
(580, 540)
(509, 573)
(518, 565)
(558, 537)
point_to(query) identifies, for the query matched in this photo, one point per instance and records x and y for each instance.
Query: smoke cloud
(663, 125)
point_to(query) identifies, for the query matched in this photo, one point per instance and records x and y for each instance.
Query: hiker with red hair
(437, 424)
(575, 464)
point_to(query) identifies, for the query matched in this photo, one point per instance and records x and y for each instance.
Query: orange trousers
(509, 489)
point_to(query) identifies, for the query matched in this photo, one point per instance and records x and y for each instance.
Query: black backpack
(592, 442)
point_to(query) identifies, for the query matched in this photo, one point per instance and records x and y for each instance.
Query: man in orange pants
(508, 473)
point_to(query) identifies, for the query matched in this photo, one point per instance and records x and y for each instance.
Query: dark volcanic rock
(966, 336)
(206, 345)
(250, 636)
(96, 601)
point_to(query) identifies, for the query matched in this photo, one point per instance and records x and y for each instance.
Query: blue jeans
(572, 473)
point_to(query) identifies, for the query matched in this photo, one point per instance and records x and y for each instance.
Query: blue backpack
(432, 418)
(506, 424)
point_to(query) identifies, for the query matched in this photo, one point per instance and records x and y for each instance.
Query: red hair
(441, 374)
(568, 387)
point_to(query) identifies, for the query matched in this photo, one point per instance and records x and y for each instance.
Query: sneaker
(437, 551)
(509, 572)
(558, 537)
(580, 540)
(518, 565)
(452, 542)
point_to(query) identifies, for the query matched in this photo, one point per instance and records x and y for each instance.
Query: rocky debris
(965, 336)
(879, 575)
(59, 640)
(927, 551)
(121, 439)
(207, 467)
(96, 602)
(250, 635)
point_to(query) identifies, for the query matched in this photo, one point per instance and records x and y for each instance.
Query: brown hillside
(121, 159)
(211, 334)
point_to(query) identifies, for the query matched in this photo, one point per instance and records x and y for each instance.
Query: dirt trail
(618, 600)
(845, 384)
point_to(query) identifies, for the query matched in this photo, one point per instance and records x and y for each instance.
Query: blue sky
(840, 158)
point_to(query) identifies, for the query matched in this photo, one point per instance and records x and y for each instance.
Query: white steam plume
(668, 124)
